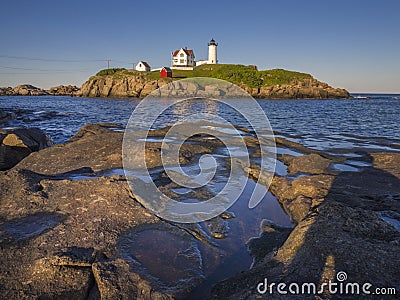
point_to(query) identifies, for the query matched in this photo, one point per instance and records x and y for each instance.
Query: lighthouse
(212, 52)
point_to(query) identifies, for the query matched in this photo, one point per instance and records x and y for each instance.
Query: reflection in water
(229, 235)
(164, 254)
(344, 168)
(321, 124)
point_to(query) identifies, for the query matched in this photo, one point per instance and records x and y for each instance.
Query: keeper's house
(183, 59)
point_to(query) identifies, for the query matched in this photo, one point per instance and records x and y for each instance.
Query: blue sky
(352, 44)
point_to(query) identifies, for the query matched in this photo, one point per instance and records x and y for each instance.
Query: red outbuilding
(165, 72)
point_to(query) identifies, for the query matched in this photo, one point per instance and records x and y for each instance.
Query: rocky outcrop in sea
(126, 85)
(30, 90)
(63, 90)
(22, 90)
(299, 89)
(138, 86)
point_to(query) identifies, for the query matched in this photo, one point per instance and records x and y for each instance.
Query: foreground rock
(71, 228)
(348, 222)
(68, 224)
(19, 143)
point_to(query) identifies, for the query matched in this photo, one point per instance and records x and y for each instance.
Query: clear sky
(353, 44)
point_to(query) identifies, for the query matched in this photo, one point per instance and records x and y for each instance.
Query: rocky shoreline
(137, 86)
(140, 87)
(30, 90)
(69, 222)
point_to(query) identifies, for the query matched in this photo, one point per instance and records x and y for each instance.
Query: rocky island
(267, 84)
(30, 90)
(270, 84)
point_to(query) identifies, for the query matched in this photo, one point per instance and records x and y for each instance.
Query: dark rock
(271, 238)
(115, 280)
(5, 117)
(16, 144)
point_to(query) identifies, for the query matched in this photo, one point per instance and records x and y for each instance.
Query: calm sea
(315, 123)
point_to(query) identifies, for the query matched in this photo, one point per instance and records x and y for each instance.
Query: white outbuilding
(143, 66)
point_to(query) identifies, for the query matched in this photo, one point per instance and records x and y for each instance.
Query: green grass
(237, 74)
(107, 72)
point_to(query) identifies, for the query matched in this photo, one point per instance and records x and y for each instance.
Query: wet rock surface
(70, 226)
(346, 221)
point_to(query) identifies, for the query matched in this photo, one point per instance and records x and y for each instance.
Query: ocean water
(340, 123)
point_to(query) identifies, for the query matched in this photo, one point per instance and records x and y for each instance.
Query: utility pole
(108, 63)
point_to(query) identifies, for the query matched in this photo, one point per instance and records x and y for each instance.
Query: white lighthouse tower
(212, 52)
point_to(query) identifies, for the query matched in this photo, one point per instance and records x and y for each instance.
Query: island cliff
(270, 84)
(267, 84)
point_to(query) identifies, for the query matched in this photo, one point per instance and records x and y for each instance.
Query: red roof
(145, 64)
(188, 52)
(167, 69)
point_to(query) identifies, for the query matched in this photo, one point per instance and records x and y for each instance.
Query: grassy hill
(238, 74)
(265, 84)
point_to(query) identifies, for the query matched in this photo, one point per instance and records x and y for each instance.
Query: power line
(61, 60)
(51, 60)
(46, 70)
(39, 73)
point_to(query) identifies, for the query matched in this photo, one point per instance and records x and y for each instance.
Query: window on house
(181, 61)
(182, 55)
